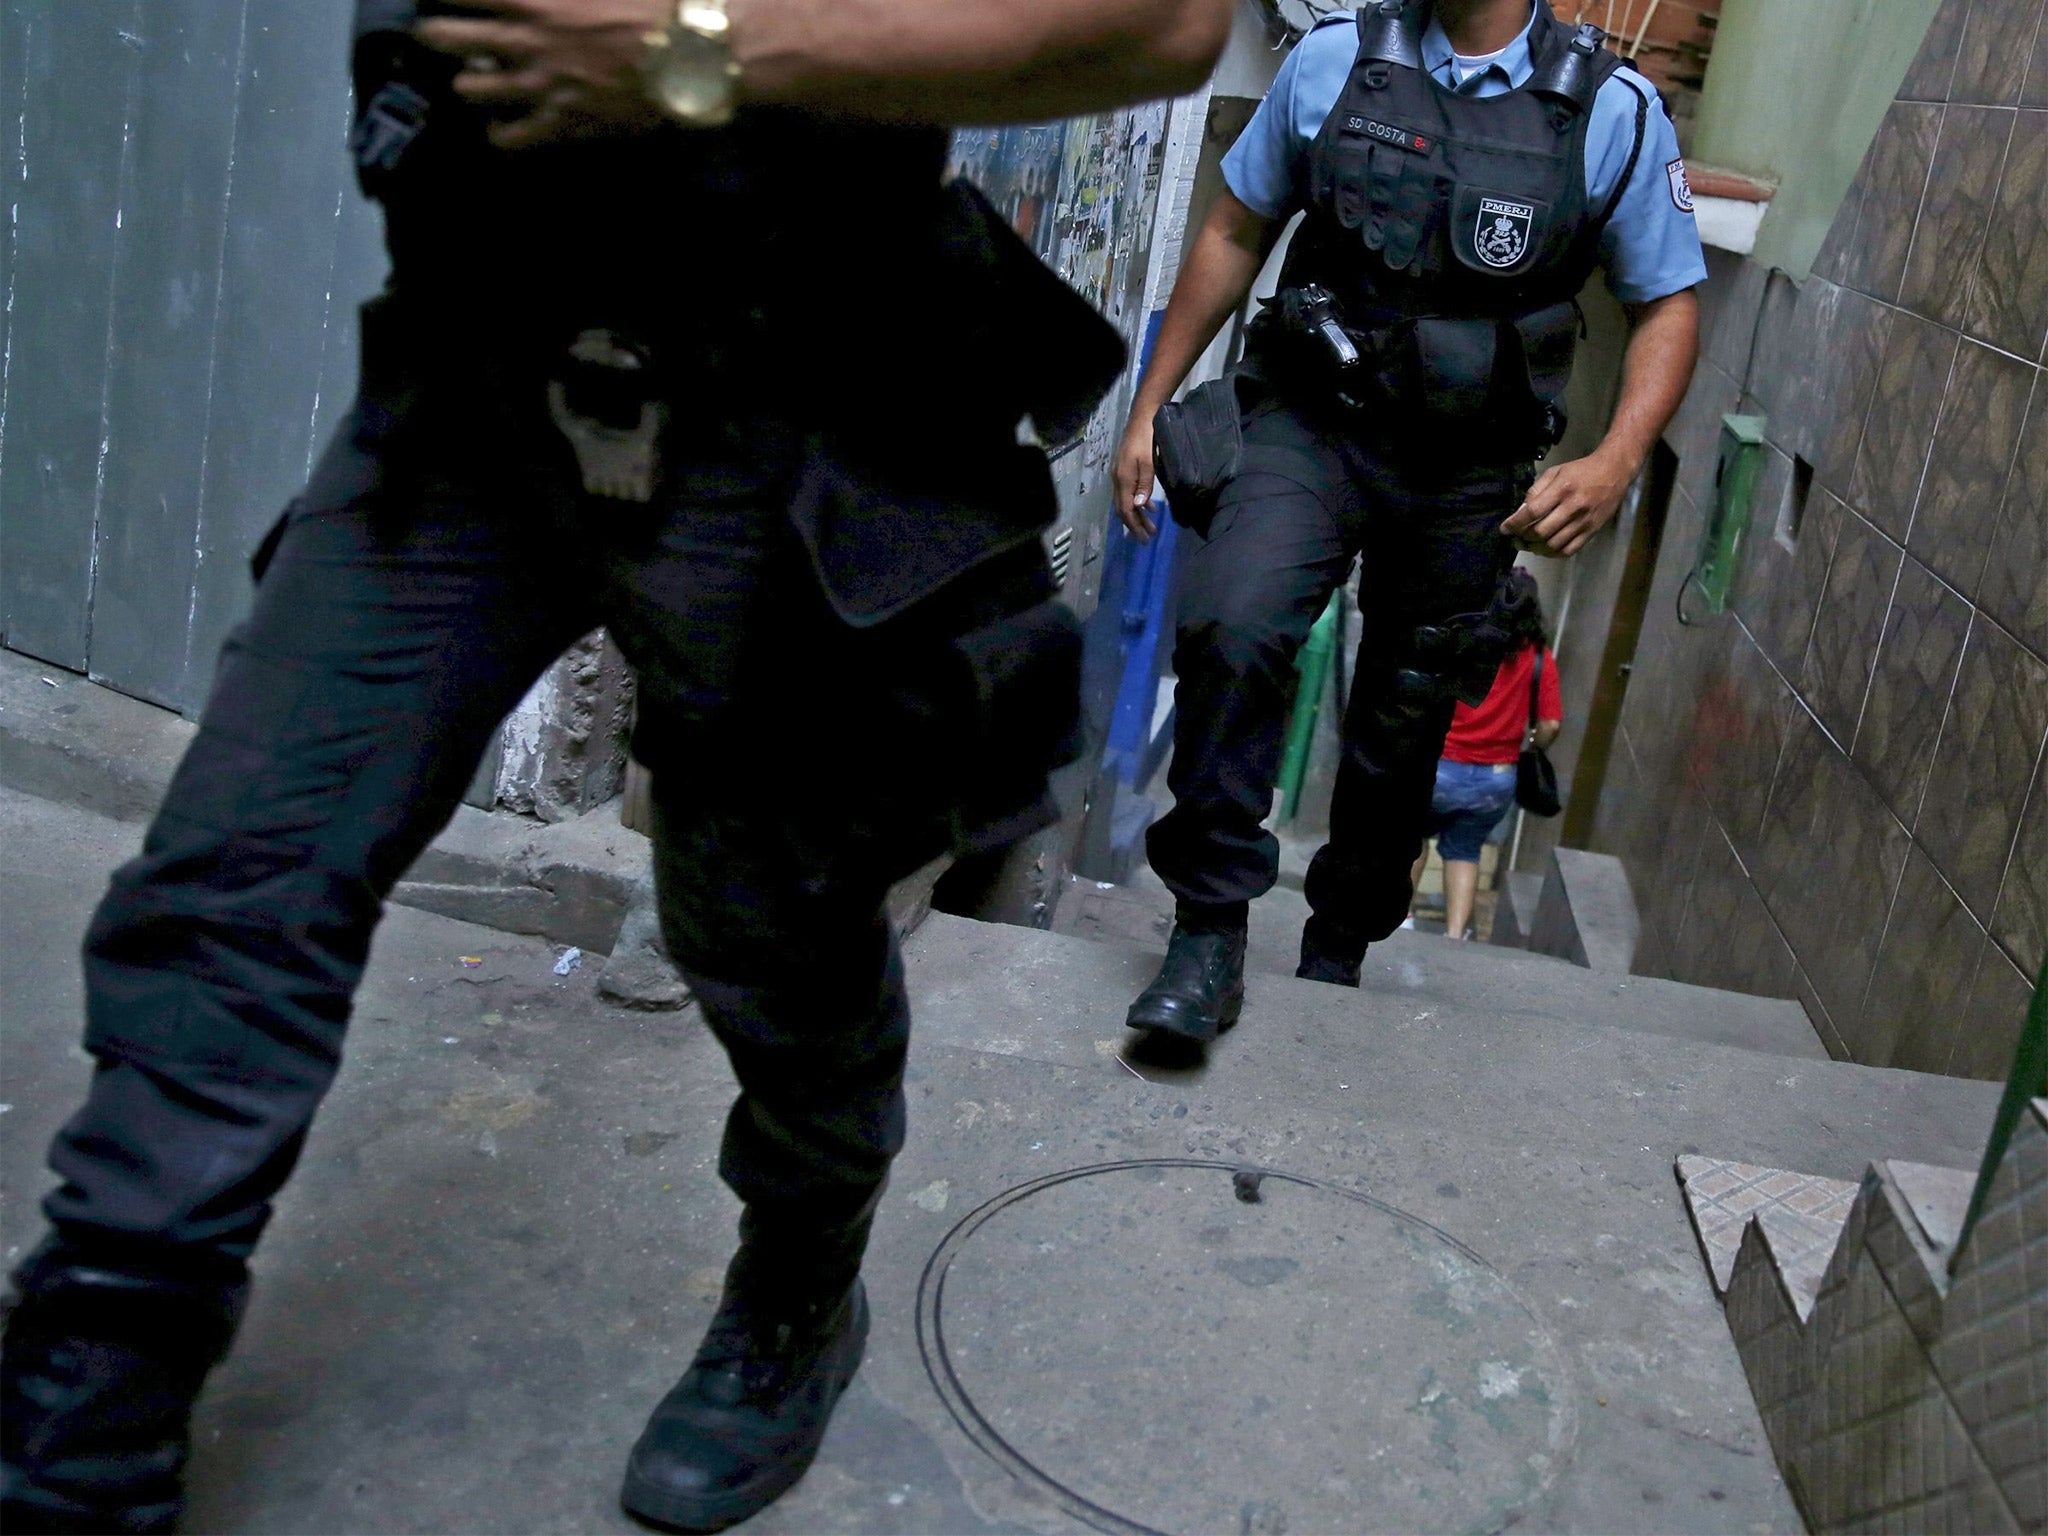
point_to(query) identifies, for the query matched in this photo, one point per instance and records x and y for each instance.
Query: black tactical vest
(813, 223)
(1456, 231)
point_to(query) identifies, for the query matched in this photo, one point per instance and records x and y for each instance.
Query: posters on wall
(1085, 194)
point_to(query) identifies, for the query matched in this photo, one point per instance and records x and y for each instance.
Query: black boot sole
(1185, 1026)
(654, 1505)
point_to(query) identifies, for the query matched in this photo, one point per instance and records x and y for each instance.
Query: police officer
(684, 337)
(1462, 167)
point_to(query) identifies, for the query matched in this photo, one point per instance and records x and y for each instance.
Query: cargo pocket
(1013, 708)
(1198, 449)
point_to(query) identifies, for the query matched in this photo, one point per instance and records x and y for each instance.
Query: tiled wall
(1835, 791)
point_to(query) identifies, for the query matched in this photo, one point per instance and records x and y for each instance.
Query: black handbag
(1535, 779)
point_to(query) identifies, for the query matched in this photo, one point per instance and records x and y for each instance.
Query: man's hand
(1132, 479)
(1569, 503)
(554, 69)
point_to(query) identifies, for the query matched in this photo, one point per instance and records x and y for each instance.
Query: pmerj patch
(1500, 234)
(1681, 189)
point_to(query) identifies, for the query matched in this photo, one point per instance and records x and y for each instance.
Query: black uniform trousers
(1310, 495)
(408, 601)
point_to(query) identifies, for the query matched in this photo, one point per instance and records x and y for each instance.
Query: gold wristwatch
(691, 72)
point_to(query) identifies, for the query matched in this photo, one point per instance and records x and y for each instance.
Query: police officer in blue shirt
(1462, 166)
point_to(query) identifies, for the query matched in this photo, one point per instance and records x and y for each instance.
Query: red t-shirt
(1492, 731)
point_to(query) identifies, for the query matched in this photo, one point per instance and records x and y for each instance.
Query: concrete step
(1390, 1260)
(1518, 1159)
(1903, 1384)
(1433, 972)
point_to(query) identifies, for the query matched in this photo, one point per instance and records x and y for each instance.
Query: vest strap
(1391, 33)
(1574, 72)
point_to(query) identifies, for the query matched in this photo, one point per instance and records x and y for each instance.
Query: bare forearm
(973, 61)
(1219, 271)
(1655, 374)
(1548, 731)
(1571, 502)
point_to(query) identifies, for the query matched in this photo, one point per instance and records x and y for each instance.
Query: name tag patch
(1387, 133)
(1501, 233)
(1681, 189)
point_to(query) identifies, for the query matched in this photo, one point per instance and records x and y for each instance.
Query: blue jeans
(1470, 800)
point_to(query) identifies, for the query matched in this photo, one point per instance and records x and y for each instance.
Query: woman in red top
(1475, 780)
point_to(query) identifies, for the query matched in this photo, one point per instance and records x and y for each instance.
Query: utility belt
(1424, 384)
(1417, 391)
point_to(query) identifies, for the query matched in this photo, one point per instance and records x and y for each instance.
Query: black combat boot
(748, 1416)
(1199, 991)
(1329, 957)
(99, 1368)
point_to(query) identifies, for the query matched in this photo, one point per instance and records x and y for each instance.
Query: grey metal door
(184, 252)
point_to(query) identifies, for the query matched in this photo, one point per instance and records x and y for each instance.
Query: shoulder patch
(1681, 189)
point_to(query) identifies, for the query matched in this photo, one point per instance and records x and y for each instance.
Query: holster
(1465, 651)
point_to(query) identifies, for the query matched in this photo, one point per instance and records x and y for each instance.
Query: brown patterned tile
(2009, 298)
(2035, 92)
(1848, 623)
(1745, 710)
(1852, 355)
(1966, 473)
(1787, 340)
(1909, 688)
(1665, 883)
(1984, 765)
(2015, 588)
(1728, 302)
(1989, 1026)
(1991, 65)
(1855, 852)
(1727, 938)
(1887, 195)
(1934, 68)
(1783, 866)
(1899, 428)
(1838, 249)
(1781, 583)
(2020, 922)
(1818, 1016)
(1954, 214)
(1924, 969)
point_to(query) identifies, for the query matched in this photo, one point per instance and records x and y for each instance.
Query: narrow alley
(1156, 767)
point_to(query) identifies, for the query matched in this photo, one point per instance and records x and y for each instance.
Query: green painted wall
(1795, 92)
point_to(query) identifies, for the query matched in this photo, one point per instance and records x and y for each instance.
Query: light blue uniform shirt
(1650, 248)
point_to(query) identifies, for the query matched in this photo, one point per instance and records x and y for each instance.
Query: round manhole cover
(1160, 1355)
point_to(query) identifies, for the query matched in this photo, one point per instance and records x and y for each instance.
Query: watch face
(693, 80)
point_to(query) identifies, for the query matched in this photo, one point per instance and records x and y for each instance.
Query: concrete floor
(1465, 1297)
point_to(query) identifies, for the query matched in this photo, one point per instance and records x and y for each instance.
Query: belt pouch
(1197, 448)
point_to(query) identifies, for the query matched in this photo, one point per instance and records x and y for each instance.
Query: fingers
(499, 87)
(468, 38)
(1137, 521)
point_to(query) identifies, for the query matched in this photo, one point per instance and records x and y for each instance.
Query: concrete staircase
(1904, 1385)
(1464, 1295)
(1405, 1258)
